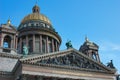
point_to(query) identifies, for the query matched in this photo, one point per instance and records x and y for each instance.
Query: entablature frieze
(63, 73)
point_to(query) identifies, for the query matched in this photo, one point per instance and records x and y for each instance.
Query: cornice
(10, 55)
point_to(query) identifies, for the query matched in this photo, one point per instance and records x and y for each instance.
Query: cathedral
(31, 52)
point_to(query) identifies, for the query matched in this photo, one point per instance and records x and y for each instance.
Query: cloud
(109, 46)
(109, 50)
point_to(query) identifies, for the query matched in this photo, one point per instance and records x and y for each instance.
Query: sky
(99, 20)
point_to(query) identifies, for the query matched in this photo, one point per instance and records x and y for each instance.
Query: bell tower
(90, 49)
(8, 38)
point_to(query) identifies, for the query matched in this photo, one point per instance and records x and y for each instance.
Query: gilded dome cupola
(36, 9)
(36, 17)
(36, 32)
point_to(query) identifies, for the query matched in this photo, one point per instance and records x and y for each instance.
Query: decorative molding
(77, 61)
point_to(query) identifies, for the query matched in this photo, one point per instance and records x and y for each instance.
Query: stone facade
(41, 59)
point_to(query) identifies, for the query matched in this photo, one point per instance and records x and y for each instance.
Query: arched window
(7, 42)
(94, 56)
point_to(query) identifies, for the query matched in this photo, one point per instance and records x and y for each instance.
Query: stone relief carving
(72, 60)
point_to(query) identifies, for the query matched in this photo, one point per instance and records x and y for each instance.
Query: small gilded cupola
(90, 49)
(36, 9)
(8, 22)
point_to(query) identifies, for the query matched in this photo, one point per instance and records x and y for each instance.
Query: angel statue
(25, 50)
(69, 45)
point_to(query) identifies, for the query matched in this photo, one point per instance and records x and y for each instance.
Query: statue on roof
(69, 45)
(110, 64)
(9, 22)
(25, 50)
(86, 39)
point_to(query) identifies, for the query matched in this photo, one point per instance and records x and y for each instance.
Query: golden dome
(36, 16)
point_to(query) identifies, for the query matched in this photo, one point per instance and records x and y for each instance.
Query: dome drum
(39, 43)
(41, 32)
(45, 38)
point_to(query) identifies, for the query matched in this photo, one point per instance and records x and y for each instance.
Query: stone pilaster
(53, 45)
(47, 44)
(12, 42)
(98, 58)
(56, 46)
(41, 43)
(33, 42)
(20, 45)
(16, 42)
(2, 37)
